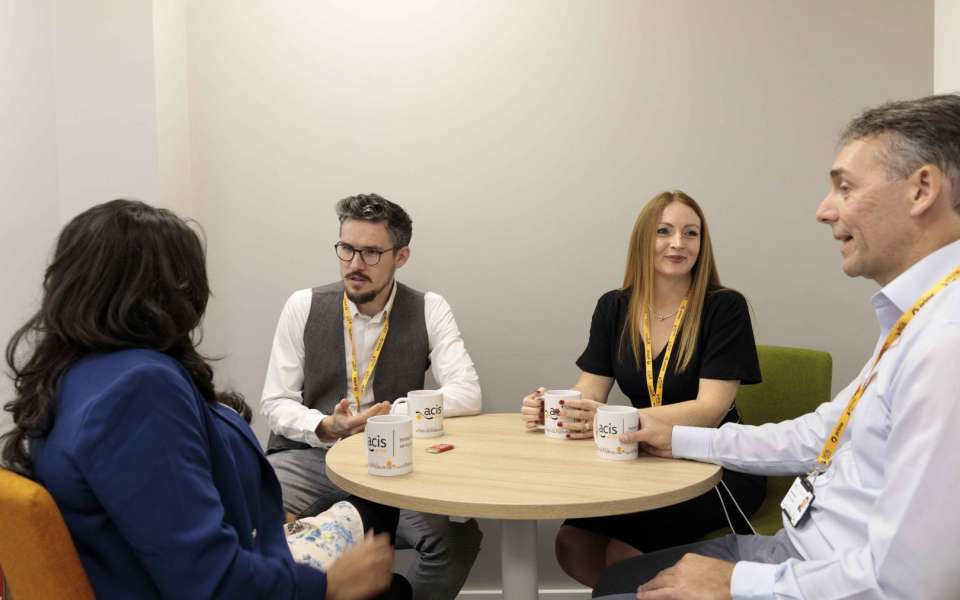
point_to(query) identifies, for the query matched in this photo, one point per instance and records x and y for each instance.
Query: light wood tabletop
(498, 470)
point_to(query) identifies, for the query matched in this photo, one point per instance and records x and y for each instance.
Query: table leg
(518, 559)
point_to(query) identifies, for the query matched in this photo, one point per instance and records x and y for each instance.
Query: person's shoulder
(725, 299)
(126, 376)
(334, 288)
(134, 360)
(613, 302)
(149, 366)
(299, 300)
(434, 299)
(407, 290)
(614, 297)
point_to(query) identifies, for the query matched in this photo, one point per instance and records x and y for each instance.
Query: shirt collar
(898, 296)
(377, 318)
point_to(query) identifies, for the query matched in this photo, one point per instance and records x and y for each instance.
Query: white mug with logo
(425, 407)
(608, 424)
(389, 445)
(551, 411)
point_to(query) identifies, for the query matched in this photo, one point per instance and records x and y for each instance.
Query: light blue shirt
(886, 519)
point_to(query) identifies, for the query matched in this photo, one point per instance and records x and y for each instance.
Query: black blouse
(725, 349)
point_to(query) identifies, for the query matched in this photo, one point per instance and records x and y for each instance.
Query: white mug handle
(400, 407)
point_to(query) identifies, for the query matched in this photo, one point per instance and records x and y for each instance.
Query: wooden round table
(498, 470)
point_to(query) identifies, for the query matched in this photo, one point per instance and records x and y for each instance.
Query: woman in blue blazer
(164, 488)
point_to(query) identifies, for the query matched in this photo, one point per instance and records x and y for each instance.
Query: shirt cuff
(310, 423)
(692, 442)
(753, 580)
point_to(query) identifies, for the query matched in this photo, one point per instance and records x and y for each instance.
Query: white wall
(170, 53)
(523, 137)
(106, 103)
(79, 118)
(946, 63)
(28, 155)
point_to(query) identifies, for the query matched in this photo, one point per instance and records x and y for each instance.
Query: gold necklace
(661, 317)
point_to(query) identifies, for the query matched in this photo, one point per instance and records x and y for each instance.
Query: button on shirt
(282, 399)
(885, 521)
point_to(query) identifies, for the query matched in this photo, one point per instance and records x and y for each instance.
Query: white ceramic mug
(389, 445)
(551, 411)
(608, 424)
(425, 407)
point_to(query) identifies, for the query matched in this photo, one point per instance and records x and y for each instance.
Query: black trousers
(683, 523)
(383, 519)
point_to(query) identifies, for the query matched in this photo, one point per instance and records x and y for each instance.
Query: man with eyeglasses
(342, 352)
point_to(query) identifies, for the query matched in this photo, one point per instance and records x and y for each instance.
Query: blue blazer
(166, 495)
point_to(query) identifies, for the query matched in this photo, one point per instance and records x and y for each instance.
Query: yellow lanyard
(360, 388)
(830, 446)
(656, 393)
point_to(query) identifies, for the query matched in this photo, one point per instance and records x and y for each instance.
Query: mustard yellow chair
(795, 382)
(38, 557)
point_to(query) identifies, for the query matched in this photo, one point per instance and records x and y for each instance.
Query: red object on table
(435, 449)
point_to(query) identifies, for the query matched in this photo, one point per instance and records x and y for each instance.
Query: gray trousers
(621, 580)
(445, 549)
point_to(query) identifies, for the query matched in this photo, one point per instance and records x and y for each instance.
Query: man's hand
(362, 571)
(341, 423)
(655, 437)
(695, 577)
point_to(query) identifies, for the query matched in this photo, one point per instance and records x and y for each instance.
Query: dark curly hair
(124, 275)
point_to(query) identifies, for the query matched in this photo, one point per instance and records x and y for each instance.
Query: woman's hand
(531, 408)
(576, 417)
(363, 571)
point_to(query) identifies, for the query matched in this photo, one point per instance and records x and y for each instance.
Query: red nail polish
(561, 403)
(559, 424)
(568, 435)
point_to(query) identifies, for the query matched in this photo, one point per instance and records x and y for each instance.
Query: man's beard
(366, 297)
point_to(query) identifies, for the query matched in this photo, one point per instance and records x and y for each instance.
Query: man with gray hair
(341, 353)
(872, 513)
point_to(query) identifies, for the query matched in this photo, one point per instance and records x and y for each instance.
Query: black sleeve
(729, 350)
(597, 358)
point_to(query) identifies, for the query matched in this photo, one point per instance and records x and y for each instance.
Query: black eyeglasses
(370, 256)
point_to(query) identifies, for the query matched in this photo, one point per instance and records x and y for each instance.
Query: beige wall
(522, 137)
(946, 62)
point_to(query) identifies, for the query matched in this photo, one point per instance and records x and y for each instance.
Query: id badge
(796, 504)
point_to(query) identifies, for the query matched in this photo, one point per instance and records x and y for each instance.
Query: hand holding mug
(531, 408)
(577, 416)
(654, 436)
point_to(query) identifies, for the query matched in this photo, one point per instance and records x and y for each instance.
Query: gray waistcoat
(404, 359)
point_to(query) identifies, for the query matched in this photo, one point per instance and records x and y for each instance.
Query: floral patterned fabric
(319, 541)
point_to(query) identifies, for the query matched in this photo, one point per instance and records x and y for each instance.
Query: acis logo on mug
(607, 429)
(375, 443)
(429, 412)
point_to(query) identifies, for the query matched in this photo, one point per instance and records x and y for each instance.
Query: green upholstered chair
(795, 382)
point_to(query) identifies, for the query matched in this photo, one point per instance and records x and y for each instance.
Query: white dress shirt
(886, 518)
(282, 399)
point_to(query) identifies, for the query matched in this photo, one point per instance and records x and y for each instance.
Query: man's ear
(926, 188)
(402, 255)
